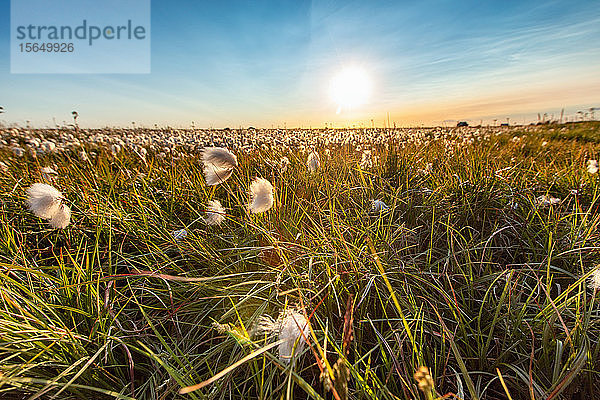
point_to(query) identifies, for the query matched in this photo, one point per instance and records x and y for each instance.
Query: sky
(271, 63)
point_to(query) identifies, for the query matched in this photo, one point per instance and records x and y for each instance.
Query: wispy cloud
(232, 64)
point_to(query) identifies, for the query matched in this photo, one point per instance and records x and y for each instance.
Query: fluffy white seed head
(115, 149)
(48, 146)
(592, 166)
(218, 164)
(545, 201)
(62, 218)
(48, 173)
(261, 196)
(366, 160)
(291, 328)
(44, 200)
(594, 279)
(313, 162)
(294, 331)
(215, 213)
(283, 164)
(17, 151)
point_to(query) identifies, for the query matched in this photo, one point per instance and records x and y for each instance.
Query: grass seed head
(62, 218)
(218, 164)
(44, 200)
(594, 279)
(313, 162)
(261, 196)
(215, 213)
(284, 164)
(293, 328)
(424, 379)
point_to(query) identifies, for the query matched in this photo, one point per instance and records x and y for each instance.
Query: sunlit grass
(465, 273)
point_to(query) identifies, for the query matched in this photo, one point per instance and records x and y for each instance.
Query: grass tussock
(468, 281)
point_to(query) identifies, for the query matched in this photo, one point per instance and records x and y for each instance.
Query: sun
(350, 88)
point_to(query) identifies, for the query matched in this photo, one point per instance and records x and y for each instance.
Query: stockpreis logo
(80, 36)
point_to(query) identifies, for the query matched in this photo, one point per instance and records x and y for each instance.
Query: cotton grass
(18, 152)
(284, 163)
(48, 173)
(261, 196)
(215, 213)
(291, 328)
(545, 201)
(218, 164)
(313, 162)
(62, 218)
(45, 201)
(594, 279)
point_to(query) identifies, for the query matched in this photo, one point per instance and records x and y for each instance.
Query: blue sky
(269, 63)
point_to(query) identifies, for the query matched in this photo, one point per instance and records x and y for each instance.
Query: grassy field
(470, 271)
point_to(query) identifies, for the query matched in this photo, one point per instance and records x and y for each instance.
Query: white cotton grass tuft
(45, 202)
(261, 196)
(18, 152)
(48, 146)
(215, 213)
(545, 201)
(594, 279)
(313, 162)
(366, 161)
(284, 164)
(291, 329)
(592, 166)
(115, 149)
(48, 173)
(62, 218)
(294, 331)
(378, 206)
(218, 164)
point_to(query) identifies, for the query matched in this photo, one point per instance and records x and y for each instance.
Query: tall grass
(465, 274)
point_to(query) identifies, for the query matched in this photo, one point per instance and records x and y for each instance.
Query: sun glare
(350, 88)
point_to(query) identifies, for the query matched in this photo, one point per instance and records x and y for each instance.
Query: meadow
(425, 263)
